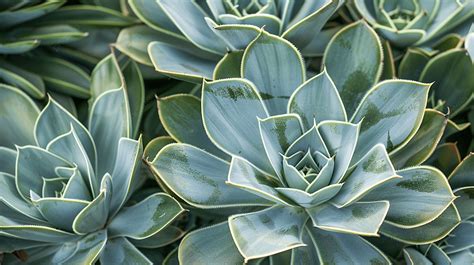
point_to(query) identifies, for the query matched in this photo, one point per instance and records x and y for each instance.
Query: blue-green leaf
(120, 251)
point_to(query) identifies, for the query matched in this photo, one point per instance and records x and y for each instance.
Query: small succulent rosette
(188, 39)
(65, 191)
(320, 156)
(416, 23)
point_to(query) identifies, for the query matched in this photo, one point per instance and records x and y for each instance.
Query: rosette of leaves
(189, 38)
(416, 23)
(315, 155)
(49, 46)
(66, 191)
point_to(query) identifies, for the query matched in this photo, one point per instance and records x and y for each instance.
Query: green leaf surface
(317, 100)
(18, 114)
(390, 113)
(255, 238)
(276, 69)
(60, 212)
(181, 117)
(198, 177)
(209, 245)
(462, 175)
(417, 198)
(358, 46)
(18, 47)
(230, 110)
(341, 248)
(29, 82)
(423, 143)
(228, 66)
(120, 251)
(373, 170)
(428, 233)
(15, 17)
(109, 120)
(149, 217)
(360, 218)
(412, 64)
(451, 73)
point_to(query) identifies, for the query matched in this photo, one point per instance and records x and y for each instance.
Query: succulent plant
(189, 38)
(48, 46)
(457, 248)
(315, 157)
(416, 23)
(68, 193)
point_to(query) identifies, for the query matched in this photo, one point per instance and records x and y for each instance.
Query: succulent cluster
(272, 132)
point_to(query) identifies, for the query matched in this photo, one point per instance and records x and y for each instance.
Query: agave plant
(416, 23)
(319, 170)
(47, 46)
(189, 38)
(66, 191)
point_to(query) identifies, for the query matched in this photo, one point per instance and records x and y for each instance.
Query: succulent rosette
(316, 158)
(416, 23)
(66, 190)
(188, 39)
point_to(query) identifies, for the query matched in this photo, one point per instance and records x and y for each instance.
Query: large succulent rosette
(66, 191)
(321, 172)
(188, 39)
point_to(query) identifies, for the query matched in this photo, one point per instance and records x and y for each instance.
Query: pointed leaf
(121, 251)
(358, 46)
(255, 238)
(276, 68)
(60, 212)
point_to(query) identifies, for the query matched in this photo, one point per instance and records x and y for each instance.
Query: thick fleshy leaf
(12, 18)
(33, 164)
(194, 27)
(277, 133)
(180, 64)
(120, 251)
(18, 47)
(228, 66)
(460, 238)
(428, 233)
(58, 75)
(448, 70)
(276, 68)
(423, 143)
(49, 35)
(109, 121)
(340, 248)
(198, 177)
(462, 175)
(149, 217)
(18, 114)
(94, 216)
(7, 160)
(271, 23)
(181, 117)
(341, 139)
(151, 13)
(390, 114)
(16, 76)
(373, 170)
(36, 233)
(126, 172)
(317, 100)
(316, 198)
(313, 22)
(56, 114)
(155, 145)
(166, 236)
(412, 64)
(13, 206)
(60, 212)
(358, 46)
(464, 202)
(69, 147)
(255, 238)
(209, 245)
(230, 109)
(413, 256)
(446, 157)
(244, 175)
(235, 36)
(417, 198)
(361, 218)
(87, 15)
